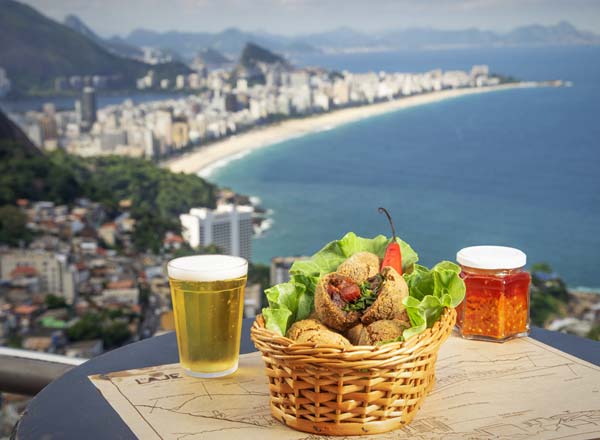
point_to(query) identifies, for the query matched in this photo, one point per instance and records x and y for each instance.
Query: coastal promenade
(206, 158)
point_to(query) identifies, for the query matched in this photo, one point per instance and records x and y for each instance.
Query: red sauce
(496, 304)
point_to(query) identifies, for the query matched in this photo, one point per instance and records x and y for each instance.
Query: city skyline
(295, 17)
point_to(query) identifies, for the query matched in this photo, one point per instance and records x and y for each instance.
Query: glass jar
(496, 304)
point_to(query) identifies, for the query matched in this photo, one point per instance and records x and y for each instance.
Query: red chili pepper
(393, 255)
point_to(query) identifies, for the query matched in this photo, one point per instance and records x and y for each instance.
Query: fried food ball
(360, 267)
(353, 335)
(382, 331)
(311, 330)
(388, 304)
(330, 309)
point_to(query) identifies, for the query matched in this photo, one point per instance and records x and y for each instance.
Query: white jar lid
(491, 257)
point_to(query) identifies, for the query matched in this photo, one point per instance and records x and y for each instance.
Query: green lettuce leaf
(292, 301)
(276, 319)
(289, 302)
(335, 253)
(430, 292)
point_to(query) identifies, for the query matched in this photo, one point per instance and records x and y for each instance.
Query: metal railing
(27, 372)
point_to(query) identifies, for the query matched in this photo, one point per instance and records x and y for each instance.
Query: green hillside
(158, 195)
(35, 50)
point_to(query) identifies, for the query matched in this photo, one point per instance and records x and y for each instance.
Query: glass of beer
(208, 303)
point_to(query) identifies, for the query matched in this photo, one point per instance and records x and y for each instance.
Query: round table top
(71, 407)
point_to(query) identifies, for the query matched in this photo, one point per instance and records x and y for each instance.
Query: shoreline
(205, 159)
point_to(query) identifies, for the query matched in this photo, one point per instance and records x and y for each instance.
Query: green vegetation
(259, 274)
(541, 268)
(36, 50)
(113, 331)
(158, 196)
(13, 229)
(55, 302)
(549, 295)
(594, 333)
(34, 177)
(14, 341)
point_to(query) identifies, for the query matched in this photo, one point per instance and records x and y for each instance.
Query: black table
(72, 408)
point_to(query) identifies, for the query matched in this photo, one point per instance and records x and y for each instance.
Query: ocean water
(68, 102)
(518, 167)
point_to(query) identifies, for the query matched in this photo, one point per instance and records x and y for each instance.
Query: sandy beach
(207, 158)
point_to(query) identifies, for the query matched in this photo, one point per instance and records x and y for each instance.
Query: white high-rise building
(229, 227)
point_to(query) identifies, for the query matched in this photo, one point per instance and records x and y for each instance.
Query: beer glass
(208, 303)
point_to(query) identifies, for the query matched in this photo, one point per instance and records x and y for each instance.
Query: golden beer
(208, 302)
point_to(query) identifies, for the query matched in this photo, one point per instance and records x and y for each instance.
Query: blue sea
(518, 168)
(68, 102)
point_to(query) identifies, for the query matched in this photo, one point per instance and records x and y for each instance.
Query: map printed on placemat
(521, 389)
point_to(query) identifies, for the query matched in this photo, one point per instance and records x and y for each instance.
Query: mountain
(230, 41)
(10, 136)
(342, 38)
(36, 50)
(563, 33)
(346, 39)
(114, 45)
(253, 54)
(212, 58)
(560, 34)
(431, 38)
(252, 61)
(186, 43)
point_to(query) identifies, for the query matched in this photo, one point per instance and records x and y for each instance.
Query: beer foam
(207, 268)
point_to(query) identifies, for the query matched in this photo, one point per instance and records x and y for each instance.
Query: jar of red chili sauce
(496, 304)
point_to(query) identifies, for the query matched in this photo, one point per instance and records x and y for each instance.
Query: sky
(292, 17)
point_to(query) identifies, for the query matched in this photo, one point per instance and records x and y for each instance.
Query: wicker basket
(331, 390)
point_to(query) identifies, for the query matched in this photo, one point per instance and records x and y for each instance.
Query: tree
(259, 274)
(55, 302)
(594, 333)
(144, 295)
(115, 334)
(541, 267)
(13, 226)
(149, 230)
(107, 325)
(88, 327)
(549, 294)
(14, 341)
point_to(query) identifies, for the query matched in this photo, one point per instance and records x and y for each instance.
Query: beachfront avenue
(226, 103)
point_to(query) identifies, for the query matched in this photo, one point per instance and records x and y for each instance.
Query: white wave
(267, 224)
(264, 226)
(207, 171)
(584, 289)
(256, 201)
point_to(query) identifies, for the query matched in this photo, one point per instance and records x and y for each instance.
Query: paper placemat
(521, 389)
